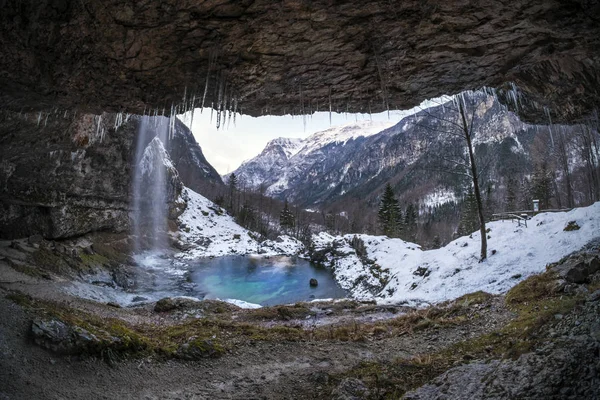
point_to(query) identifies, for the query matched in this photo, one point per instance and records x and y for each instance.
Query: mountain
(284, 162)
(269, 162)
(194, 170)
(356, 159)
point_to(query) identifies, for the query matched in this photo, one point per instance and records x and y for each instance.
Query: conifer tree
(542, 185)
(469, 221)
(232, 182)
(390, 215)
(286, 218)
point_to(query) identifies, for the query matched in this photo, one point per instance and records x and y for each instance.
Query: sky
(226, 148)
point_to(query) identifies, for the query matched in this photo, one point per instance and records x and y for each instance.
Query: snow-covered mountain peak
(289, 146)
(343, 133)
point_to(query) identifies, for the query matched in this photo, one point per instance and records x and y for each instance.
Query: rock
(175, 303)
(137, 299)
(113, 304)
(350, 389)
(571, 226)
(313, 282)
(594, 296)
(197, 349)
(35, 239)
(55, 335)
(560, 367)
(88, 250)
(578, 269)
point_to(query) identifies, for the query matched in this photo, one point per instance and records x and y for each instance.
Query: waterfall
(150, 181)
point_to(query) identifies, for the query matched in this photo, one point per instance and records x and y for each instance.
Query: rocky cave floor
(540, 340)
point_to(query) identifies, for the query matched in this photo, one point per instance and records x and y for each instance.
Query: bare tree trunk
(474, 175)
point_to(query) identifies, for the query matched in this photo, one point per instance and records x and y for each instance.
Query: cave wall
(63, 177)
(68, 175)
(289, 56)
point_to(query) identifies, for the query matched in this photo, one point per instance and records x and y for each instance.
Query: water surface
(264, 281)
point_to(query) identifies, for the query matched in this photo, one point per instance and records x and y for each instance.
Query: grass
(534, 303)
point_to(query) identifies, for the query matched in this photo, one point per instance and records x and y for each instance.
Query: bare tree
(459, 122)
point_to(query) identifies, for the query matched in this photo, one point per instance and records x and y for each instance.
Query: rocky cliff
(65, 175)
(283, 56)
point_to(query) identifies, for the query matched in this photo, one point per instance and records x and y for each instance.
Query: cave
(85, 87)
(293, 57)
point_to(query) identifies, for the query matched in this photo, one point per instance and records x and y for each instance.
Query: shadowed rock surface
(71, 175)
(296, 57)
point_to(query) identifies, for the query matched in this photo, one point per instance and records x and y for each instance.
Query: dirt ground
(256, 370)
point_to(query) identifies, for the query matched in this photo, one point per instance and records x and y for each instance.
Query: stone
(594, 296)
(350, 389)
(562, 366)
(313, 282)
(575, 270)
(35, 239)
(175, 303)
(571, 226)
(55, 335)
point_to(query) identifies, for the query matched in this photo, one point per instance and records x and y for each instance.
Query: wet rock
(350, 389)
(313, 282)
(137, 299)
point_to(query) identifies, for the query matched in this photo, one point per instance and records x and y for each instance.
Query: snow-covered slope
(418, 277)
(206, 230)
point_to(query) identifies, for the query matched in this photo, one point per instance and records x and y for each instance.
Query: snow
(439, 197)
(455, 270)
(154, 151)
(210, 232)
(344, 133)
(241, 303)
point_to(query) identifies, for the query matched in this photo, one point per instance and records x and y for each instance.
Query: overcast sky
(227, 147)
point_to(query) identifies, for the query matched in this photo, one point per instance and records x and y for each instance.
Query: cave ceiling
(277, 57)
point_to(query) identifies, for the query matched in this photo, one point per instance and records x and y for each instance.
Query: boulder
(313, 282)
(55, 335)
(579, 269)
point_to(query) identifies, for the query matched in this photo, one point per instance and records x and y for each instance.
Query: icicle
(46, 120)
(547, 111)
(330, 106)
(39, 118)
(98, 125)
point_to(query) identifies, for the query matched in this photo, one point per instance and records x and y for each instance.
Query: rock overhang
(264, 57)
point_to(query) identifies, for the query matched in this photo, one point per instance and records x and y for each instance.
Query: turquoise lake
(264, 281)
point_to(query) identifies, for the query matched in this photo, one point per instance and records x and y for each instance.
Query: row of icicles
(228, 106)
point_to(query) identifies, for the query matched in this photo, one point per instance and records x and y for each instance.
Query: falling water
(150, 184)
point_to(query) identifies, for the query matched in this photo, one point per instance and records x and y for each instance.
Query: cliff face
(293, 56)
(69, 175)
(63, 177)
